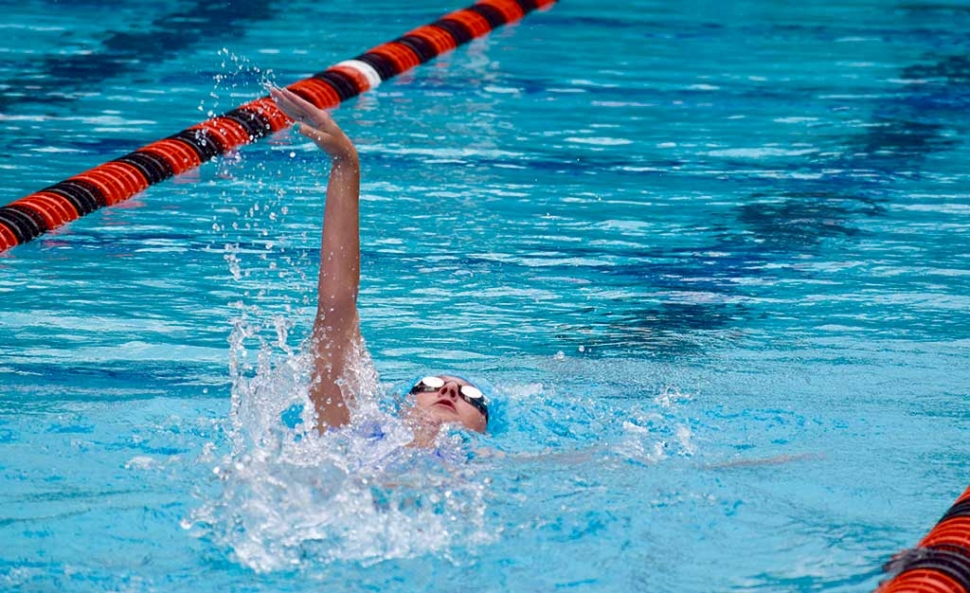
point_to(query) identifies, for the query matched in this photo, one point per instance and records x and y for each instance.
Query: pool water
(711, 260)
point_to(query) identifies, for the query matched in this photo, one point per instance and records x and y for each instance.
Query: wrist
(348, 157)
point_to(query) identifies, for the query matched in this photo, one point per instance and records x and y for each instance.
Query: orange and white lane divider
(940, 563)
(122, 178)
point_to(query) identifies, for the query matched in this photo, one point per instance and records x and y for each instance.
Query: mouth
(446, 404)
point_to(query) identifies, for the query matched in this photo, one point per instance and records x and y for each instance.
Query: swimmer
(434, 401)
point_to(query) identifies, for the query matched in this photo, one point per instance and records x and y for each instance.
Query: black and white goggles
(471, 394)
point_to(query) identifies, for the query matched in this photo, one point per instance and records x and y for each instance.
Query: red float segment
(473, 21)
(54, 209)
(133, 179)
(217, 134)
(401, 55)
(49, 218)
(317, 92)
(180, 156)
(229, 132)
(7, 238)
(268, 108)
(237, 133)
(63, 206)
(60, 205)
(110, 187)
(510, 9)
(952, 531)
(440, 40)
(543, 4)
(922, 581)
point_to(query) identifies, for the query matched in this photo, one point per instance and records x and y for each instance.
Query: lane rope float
(29, 217)
(940, 562)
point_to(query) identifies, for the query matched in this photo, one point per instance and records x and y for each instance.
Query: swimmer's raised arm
(336, 329)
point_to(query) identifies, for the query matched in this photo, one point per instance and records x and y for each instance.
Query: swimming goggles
(471, 394)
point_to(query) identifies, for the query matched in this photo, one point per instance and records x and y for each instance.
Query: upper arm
(335, 334)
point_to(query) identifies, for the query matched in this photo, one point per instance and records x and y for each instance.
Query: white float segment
(366, 69)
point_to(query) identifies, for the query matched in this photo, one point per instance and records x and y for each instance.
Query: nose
(450, 389)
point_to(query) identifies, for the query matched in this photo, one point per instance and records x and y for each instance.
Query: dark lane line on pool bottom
(59, 79)
(905, 131)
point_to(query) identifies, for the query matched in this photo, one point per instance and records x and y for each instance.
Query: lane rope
(940, 562)
(107, 184)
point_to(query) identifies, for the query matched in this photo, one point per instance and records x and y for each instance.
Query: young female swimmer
(435, 400)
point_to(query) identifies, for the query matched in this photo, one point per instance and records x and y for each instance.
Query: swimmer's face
(447, 405)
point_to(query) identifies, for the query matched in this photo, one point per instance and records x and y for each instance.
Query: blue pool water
(711, 258)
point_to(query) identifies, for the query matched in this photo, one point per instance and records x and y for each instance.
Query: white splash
(288, 498)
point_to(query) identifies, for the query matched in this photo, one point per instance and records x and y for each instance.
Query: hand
(315, 123)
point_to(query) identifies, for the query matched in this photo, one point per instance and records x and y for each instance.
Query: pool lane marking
(115, 181)
(940, 563)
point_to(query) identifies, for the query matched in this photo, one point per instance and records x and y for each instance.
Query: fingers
(284, 98)
(295, 100)
(299, 109)
(292, 104)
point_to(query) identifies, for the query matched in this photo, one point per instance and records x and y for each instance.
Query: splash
(235, 74)
(289, 498)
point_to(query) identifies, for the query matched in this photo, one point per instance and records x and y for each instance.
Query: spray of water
(290, 498)
(286, 497)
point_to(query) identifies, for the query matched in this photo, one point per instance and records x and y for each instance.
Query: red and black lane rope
(940, 563)
(112, 182)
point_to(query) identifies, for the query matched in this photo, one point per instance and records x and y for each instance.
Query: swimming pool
(713, 259)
